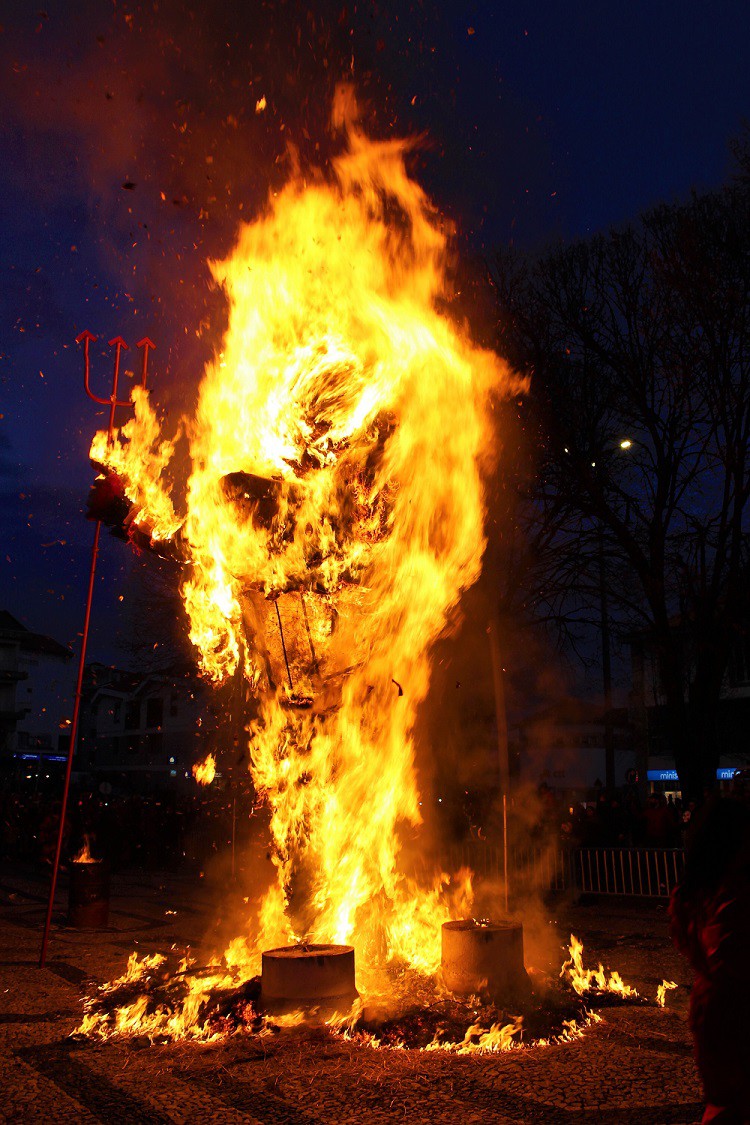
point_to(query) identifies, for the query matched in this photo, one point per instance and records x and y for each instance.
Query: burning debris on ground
(160, 1000)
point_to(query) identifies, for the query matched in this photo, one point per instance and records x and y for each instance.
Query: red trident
(86, 338)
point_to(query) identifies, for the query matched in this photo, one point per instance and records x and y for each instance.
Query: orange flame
(136, 1018)
(661, 992)
(205, 772)
(498, 1037)
(589, 980)
(85, 856)
(333, 515)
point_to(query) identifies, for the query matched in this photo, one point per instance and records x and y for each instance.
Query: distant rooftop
(12, 630)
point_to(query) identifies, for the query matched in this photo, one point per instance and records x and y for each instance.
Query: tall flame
(334, 513)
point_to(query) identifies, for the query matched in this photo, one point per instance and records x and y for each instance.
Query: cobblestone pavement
(634, 1067)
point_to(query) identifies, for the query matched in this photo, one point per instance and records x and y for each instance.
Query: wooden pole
(501, 720)
(505, 849)
(234, 828)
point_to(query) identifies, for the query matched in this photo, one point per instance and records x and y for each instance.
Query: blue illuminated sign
(41, 757)
(724, 774)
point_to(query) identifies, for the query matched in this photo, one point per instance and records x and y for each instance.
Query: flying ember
(333, 515)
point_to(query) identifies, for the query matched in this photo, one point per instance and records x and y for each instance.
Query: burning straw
(332, 517)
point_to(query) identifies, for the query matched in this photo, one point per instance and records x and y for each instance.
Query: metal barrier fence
(645, 872)
(540, 868)
(626, 872)
(544, 869)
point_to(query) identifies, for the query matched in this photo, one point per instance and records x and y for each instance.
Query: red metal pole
(72, 747)
(86, 338)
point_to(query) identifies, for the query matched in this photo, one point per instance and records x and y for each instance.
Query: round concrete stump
(308, 978)
(480, 957)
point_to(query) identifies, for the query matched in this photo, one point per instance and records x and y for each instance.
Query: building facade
(36, 693)
(564, 746)
(646, 707)
(154, 724)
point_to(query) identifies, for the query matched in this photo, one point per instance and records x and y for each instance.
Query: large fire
(333, 515)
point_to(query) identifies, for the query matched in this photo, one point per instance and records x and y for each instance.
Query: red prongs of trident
(86, 338)
(118, 344)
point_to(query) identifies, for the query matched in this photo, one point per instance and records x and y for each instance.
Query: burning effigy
(332, 515)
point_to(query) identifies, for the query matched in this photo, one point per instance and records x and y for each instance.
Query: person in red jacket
(710, 924)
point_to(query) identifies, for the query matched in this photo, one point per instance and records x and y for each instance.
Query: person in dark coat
(710, 924)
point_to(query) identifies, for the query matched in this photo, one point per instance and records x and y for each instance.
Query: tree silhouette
(638, 342)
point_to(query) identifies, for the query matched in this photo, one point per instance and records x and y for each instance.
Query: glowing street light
(625, 443)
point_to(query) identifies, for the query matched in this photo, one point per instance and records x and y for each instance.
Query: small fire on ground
(661, 992)
(584, 980)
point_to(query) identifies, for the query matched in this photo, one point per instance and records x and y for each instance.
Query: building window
(154, 711)
(154, 744)
(738, 668)
(133, 714)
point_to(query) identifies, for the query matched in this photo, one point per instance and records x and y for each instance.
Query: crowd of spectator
(175, 829)
(166, 831)
(617, 820)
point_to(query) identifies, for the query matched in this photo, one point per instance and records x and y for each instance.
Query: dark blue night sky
(131, 150)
